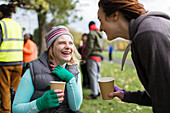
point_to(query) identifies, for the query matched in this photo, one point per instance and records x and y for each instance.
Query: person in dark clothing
(81, 50)
(110, 52)
(149, 37)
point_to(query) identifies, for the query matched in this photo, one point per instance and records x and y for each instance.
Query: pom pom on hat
(55, 33)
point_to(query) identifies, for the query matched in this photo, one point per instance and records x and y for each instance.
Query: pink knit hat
(55, 33)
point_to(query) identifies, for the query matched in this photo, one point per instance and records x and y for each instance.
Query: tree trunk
(42, 31)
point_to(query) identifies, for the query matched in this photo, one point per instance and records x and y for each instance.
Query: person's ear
(115, 16)
(1, 14)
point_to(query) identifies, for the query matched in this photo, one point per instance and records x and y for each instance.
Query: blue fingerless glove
(63, 73)
(48, 100)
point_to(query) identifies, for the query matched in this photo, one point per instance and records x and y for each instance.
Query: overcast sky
(88, 9)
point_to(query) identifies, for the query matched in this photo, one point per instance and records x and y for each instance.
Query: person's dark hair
(85, 34)
(131, 9)
(7, 10)
(91, 23)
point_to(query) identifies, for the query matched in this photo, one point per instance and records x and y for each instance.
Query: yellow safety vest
(12, 44)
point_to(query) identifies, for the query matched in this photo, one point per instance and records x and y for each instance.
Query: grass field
(127, 80)
(117, 54)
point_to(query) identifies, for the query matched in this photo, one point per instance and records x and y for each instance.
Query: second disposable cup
(106, 86)
(57, 85)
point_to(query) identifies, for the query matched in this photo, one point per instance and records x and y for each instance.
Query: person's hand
(63, 73)
(53, 65)
(118, 92)
(50, 99)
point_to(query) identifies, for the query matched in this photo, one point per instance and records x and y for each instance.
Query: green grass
(117, 54)
(127, 80)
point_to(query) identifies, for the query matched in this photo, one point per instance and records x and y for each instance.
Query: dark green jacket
(94, 44)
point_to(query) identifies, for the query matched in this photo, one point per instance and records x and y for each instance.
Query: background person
(11, 55)
(59, 63)
(93, 56)
(82, 49)
(29, 50)
(150, 47)
(110, 52)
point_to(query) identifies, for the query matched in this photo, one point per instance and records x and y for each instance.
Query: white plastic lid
(106, 79)
(57, 82)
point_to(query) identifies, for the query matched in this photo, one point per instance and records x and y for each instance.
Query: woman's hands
(50, 99)
(61, 72)
(118, 92)
(53, 65)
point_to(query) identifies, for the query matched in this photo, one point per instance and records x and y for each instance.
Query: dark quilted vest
(41, 77)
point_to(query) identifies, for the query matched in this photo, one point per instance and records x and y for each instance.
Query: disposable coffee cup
(106, 86)
(57, 85)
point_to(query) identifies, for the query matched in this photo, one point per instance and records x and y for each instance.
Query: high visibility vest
(12, 44)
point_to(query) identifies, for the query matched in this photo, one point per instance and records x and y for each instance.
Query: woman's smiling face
(108, 24)
(105, 24)
(63, 49)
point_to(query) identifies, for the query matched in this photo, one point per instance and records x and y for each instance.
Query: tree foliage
(60, 11)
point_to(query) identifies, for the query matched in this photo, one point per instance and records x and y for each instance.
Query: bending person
(150, 48)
